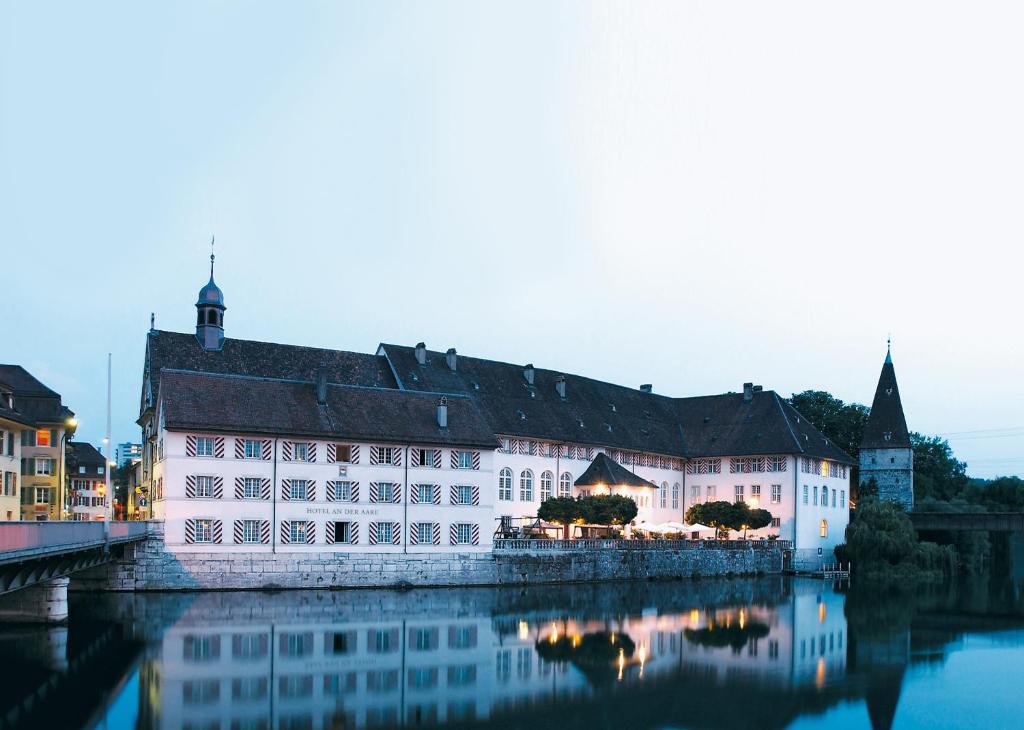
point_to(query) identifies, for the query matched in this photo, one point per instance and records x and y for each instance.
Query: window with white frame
(463, 534)
(755, 494)
(565, 484)
(739, 494)
(204, 530)
(42, 495)
(44, 467)
(204, 487)
(252, 449)
(505, 485)
(675, 495)
(776, 463)
(424, 532)
(526, 486)
(833, 498)
(251, 488)
(424, 493)
(300, 451)
(250, 530)
(694, 494)
(463, 494)
(663, 495)
(297, 489)
(385, 493)
(776, 522)
(385, 532)
(297, 531)
(824, 496)
(776, 494)
(465, 459)
(428, 457)
(815, 496)
(842, 498)
(204, 446)
(711, 493)
(547, 480)
(805, 494)
(342, 491)
(387, 454)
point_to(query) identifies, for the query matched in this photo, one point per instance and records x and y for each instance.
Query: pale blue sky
(689, 194)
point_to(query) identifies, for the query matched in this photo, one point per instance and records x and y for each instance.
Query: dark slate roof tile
(81, 453)
(604, 471)
(886, 417)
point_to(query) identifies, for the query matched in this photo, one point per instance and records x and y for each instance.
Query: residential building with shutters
(12, 423)
(46, 424)
(86, 482)
(257, 446)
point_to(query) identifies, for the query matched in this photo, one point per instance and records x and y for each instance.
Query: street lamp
(70, 425)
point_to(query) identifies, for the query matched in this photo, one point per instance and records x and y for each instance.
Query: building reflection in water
(422, 658)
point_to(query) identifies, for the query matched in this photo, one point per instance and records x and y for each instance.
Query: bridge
(37, 558)
(958, 521)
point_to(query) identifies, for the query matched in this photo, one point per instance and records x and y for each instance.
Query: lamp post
(70, 424)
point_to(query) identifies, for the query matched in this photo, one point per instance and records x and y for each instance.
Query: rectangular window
(805, 494)
(465, 459)
(42, 495)
(343, 453)
(204, 487)
(81, 470)
(833, 498)
(776, 494)
(425, 493)
(739, 493)
(842, 499)
(675, 496)
(251, 531)
(43, 438)
(387, 454)
(424, 532)
(300, 452)
(44, 467)
(342, 491)
(253, 449)
(694, 494)
(711, 494)
(386, 493)
(776, 522)
(815, 496)
(464, 494)
(204, 446)
(428, 457)
(297, 532)
(342, 532)
(297, 490)
(382, 641)
(463, 534)
(204, 530)
(251, 487)
(385, 533)
(755, 492)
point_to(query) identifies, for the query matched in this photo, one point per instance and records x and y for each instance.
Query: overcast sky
(685, 193)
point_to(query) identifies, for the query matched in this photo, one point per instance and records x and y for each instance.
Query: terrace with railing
(587, 544)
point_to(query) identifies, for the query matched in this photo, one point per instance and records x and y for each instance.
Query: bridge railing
(528, 545)
(19, 539)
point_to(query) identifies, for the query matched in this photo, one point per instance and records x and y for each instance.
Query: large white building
(254, 446)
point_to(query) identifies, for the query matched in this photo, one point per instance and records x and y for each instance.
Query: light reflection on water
(758, 653)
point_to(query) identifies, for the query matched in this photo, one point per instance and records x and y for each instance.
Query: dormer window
(888, 435)
(612, 406)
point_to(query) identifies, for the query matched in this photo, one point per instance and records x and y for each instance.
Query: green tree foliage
(937, 472)
(726, 516)
(881, 543)
(613, 509)
(1005, 494)
(732, 634)
(843, 423)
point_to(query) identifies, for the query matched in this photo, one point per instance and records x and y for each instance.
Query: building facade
(12, 423)
(260, 446)
(43, 446)
(86, 482)
(127, 453)
(886, 456)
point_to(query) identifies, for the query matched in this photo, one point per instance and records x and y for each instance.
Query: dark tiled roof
(179, 351)
(16, 416)
(607, 472)
(611, 415)
(198, 401)
(886, 415)
(81, 453)
(22, 382)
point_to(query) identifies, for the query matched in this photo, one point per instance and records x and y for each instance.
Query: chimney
(321, 386)
(442, 412)
(748, 391)
(421, 353)
(560, 386)
(528, 373)
(451, 357)
(646, 388)
(758, 388)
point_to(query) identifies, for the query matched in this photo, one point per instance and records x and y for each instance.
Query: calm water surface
(757, 653)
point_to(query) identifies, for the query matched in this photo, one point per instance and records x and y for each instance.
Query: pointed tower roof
(887, 426)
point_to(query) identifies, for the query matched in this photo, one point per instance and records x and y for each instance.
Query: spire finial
(212, 238)
(152, 321)
(888, 348)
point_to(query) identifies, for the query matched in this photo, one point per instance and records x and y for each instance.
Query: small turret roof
(607, 472)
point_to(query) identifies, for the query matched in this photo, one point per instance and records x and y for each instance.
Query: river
(761, 653)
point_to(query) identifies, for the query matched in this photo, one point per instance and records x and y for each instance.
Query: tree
(612, 509)
(937, 473)
(881, 543)
(756, 519)
(721, 515)
(842, 423)
(560, 510)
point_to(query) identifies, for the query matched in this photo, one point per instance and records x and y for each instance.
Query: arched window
(211, 316)
(824, 528)
(675, 495)
(547, 481)
(505, 485)
(565, 484)
(824, 496)
(663, 495)
(526, 486)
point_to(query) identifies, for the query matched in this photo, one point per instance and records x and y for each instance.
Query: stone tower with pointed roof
(885, 452)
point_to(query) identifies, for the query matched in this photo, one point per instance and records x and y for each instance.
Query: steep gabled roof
(593, 412)
(604, 471)
(887, 426)
(239, 404)
(22, 382)
(81, 453)
(35, 403)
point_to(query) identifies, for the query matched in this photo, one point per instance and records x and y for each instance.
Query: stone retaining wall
(148, 565)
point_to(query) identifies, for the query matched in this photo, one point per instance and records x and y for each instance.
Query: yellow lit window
(42, 438)
(824, 528)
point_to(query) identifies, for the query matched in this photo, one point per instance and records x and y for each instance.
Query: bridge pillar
(45, 603)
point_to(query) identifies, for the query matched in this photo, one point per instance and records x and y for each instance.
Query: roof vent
(748, 391)
(321, 386)
(608, 427)
(612, 406)
(707, 419)
(528, 373)
(522, 416)
(580, 421)
(646, 388)
(533, 393)
(758, 388)
(476, 385)
(421, 353)
(414, 377)
(806, 437)
(560, 386)
(451, 357)
(442, 412)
